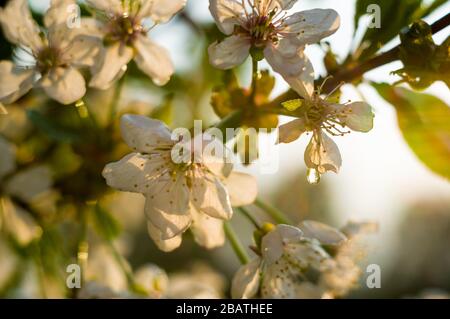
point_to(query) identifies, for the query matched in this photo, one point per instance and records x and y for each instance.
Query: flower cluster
(197, 192)
(310, 261)
(265, 29)
(50, 58)
(188, 183)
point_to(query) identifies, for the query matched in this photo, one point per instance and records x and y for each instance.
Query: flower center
(319, 115)
(261, 29)
(124, 28)
(48, 58)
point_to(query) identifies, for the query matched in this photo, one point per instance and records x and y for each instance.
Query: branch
(355, 72)
(441, 24)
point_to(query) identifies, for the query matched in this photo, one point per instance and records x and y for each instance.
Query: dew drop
(313, 176)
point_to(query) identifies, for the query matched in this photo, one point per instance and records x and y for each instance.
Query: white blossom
(196, 194)
(293, 263)
(324, 118)
(48, 59)
(124, 29)
(265, 26)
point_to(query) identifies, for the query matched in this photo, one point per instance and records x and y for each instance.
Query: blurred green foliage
(425, 123)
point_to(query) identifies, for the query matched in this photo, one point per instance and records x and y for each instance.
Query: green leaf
(425, 123)
(52, 128)
(292, 105)
(394, 16)
(105, 224)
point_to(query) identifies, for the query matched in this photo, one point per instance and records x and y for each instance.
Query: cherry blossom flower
(196, 194)
(123, 27)
(323, 118)
(265, 28)
(294, 263)
(47, 59)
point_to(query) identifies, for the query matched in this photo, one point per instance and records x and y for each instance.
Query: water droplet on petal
(313, 176)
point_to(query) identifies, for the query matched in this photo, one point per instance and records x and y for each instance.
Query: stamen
(334, 90)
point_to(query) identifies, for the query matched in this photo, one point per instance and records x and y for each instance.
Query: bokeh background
(381, 178)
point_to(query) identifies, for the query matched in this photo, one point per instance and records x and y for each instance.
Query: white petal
(144, 134)
(170, 225)
(111, 66)
(357, 116)
(307, 253)
(165, 245)
(353, 229)
(291, 131)
(65, 85)
(82, 51)
(242, 189)
(282, 59)
(19, 223)
(170, 194)
(8, 157)
(210, 196)
(59, 35)
(111, 6)
(152, 278)
(313, 25)
(304, 83)
(60, 12)
(280, 280)
(325, 234)
(245, 284)
(286, 4)
(30, 183)
(229, 53)
(267, 6)
(161, 11)
(323, 154)
(18, 25)
(92, 27)
(14, 82)
(208, 231)
(272, 244)
(227, 14)
(135, 172)
(215, 155)
(153, 60)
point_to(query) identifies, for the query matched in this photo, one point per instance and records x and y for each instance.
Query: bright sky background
(380, 176)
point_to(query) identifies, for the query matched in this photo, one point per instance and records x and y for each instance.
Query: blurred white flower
(122, 25)
(9, 262)
(103, 269)
(199, 282)
(152, 279)
(265, 28)
(95, 290)
(47, 59)
(16, 126)
(324, 118)
(197, 193)
(18, 223)
(29, 183)
(294, 263)
(29, 188)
